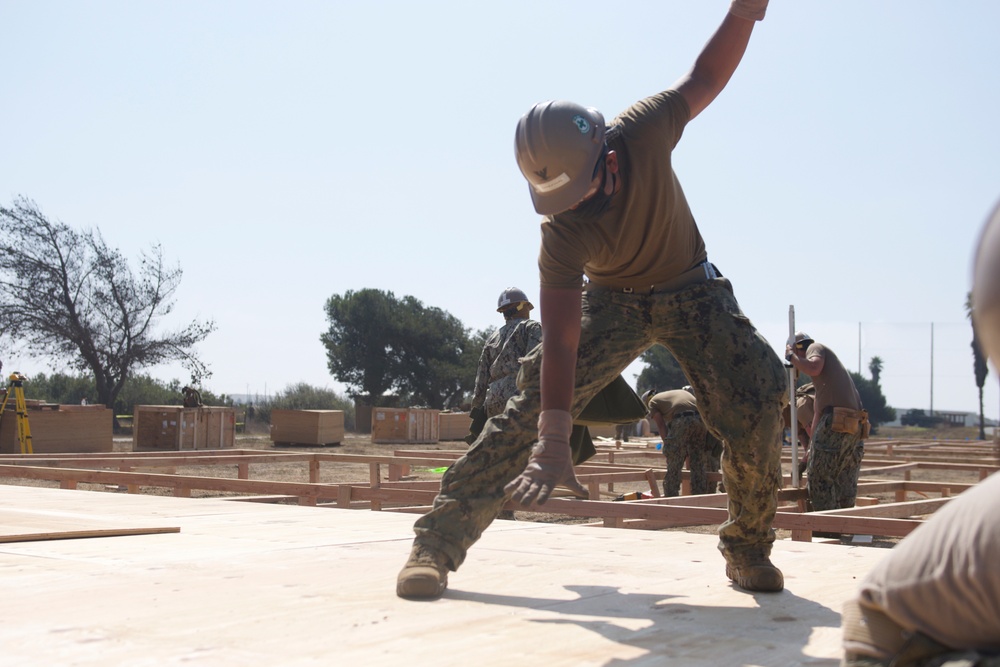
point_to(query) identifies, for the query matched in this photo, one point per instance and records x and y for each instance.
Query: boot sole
(762, 579)
(421, 582)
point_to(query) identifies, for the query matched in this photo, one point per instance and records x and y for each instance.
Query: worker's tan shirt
(645, 234)
(673, 402)
(834, 386)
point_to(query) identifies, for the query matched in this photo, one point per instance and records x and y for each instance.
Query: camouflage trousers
(834, 464)
(687, 438)
(736, 376)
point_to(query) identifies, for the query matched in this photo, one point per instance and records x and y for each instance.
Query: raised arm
(721, 55)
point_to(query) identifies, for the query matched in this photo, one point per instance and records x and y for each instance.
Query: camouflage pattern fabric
(496, 377)
(834, 465)
(737, 378)
(687, 438)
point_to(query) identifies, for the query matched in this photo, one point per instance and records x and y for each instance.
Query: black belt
(686, 413)
(700, 273)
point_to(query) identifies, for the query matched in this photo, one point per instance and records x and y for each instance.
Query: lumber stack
(307, 427)
(402, 425)
(454, 425)
(59, 429)
(176, 428)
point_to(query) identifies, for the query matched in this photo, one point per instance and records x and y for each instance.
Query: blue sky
(285, 152)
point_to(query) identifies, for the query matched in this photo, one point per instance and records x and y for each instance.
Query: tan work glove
(551, 462)
(749, 9)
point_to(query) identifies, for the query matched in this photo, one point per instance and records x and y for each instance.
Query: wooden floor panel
(253, 584)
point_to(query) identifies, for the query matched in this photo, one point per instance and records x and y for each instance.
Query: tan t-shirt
(670, 403)
(645, 234)
(834, 386)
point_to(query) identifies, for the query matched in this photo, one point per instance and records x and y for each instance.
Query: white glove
(748, 9)
(551, 462)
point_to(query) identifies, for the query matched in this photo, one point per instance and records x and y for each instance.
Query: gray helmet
(802, 339)
(986, 288)
(557, 145)
(512, 297)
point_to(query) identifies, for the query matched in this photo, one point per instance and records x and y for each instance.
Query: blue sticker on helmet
(581, 124)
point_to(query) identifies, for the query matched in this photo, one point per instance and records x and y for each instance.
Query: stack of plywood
(59, 429)
(176, 428)
(307, 427)
(454, 425)
(403, 425)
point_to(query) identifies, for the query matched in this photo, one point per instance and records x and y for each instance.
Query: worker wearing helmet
(839, 425)
(684, 436)
(616, 218)
(500, 360)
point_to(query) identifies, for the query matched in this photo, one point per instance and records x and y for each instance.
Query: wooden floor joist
(387, 486)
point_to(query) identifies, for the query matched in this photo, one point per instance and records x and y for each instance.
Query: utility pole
(932, 370)
(793, 428)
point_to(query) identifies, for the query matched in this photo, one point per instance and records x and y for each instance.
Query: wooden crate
(176, 428)
(402, 425)
(307, 427)
(454, 425)
(59, 429)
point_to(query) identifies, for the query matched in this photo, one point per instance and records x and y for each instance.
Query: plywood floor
(255, 584)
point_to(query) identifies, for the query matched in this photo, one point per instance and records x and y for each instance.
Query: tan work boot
(425, 575)
(755, 573)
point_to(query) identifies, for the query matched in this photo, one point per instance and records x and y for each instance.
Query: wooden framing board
(390, 491)
(27, 525)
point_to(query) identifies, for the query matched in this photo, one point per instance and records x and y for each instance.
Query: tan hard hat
(647, 396)
(513, 297)
(986, 288)
(557, 145)
(802, 338)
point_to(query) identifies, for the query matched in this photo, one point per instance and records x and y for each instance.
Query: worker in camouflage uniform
(684, 437)
(615, 214)
(839, 425)
(500, 360)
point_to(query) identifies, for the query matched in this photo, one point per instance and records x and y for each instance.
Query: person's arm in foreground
(551, 462)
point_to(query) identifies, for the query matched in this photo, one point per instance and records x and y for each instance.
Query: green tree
(66, 294)
(979, 365)
(470, 365)
(873, 401)
(662, 372)
(875, 368)
(377, 343)
(139, 389)
(60, 388)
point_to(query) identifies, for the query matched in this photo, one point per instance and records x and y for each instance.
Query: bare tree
(65, 294)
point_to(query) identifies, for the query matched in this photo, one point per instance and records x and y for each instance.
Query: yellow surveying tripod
(23, 429)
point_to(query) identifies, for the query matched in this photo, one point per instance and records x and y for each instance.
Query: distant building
(950, 417)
